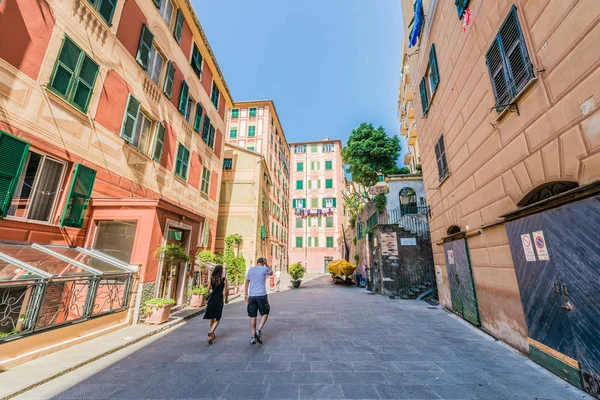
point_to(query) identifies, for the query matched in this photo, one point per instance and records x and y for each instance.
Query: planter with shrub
(158, 310)
(296, 272)
(197, 296)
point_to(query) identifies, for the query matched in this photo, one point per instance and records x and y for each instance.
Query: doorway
(460, 277)
(173, 278)
(326, 261)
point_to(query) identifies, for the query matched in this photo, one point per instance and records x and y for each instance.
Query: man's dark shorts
(258, 304)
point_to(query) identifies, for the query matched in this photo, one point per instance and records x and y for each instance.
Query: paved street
(323, 341)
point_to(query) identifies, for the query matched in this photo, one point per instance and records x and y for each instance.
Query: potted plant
(296, 271)
(157, 310)
(172, 255)
(197, 296)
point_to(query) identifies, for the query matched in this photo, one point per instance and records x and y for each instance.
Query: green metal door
(460, 277)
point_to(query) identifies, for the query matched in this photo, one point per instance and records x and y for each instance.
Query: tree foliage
(234, 262)
(403, 171)
(370, 152)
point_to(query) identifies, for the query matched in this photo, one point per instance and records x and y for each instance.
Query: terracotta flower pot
(158, 315)
(197, 300)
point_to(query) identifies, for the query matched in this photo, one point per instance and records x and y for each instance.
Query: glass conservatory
(47, 286)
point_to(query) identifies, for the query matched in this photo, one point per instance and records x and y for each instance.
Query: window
(145, 47)
(359, 230)
(205, 180)
(182, 161)
(298, 222)
(508, 62)
(328, 148)
(318, 184)
(440, 155)
(235, 113)
(251, 131)
(159, 142)
(314, 202)
(300, 166)
(313, 148)
(328, 183)
(166, 10)
(429, 82)
(116, 238)
(105, 8)
(263, 233)
(328, 165)
(208, 132)
(136, 125)
(298, 241)
(214, 95)
(251, 148)
(155, 64)
(196, 61)
(178, 30)
(461, 6)
(300, 149)
(79, 197)
(298, 203)
(74, 75)
(253, 112)
(198, 118)
(299, 184)
(183, 98)
(329, 240)
(189, 110)
(329, 203)
(38, 187)
(329, 222)
(227, 164)
(169, 77)
(233, 133)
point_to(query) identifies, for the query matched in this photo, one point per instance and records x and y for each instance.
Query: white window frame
(328, 202)
(204, 169)
(152, 58)
(189, 110)
(328, 148)
(163, 12)
(137, 135)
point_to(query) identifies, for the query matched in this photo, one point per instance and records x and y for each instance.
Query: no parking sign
(540, 246)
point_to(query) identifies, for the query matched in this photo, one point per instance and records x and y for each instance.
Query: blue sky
(328, 64)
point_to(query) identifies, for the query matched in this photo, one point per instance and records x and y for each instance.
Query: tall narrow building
(317, 183)
(255, 126)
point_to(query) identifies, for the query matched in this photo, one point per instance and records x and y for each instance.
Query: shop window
(116, 238)
(196, 61)
(38, 188)
(158, 142)
(106, 9)
(178, 30)
(79, 196)
(74, 75)
(169, 77)
(182, 161)
(205, 185)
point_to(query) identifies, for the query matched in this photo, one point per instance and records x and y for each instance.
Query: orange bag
(272, 282)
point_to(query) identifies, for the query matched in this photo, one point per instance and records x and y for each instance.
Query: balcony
(403, 130)
(408, 95)
(408, 158)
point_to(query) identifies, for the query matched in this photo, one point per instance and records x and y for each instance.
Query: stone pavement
(317, 346)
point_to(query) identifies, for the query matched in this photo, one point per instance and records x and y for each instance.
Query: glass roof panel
(101, 265)
(42, 261)
(10, 272)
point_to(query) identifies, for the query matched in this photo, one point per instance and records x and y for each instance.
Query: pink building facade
(317, 181)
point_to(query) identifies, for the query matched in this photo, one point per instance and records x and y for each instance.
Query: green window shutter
(298, 184)
(198, 118)
(299, 166)
(329, 222)
(514, 53)
(314, 148)
(328, 165)
(293, 203)
(309, 241)
(214, 96)
(206, 233)
(324, 202)
(316, 241)
(303, 203)
(206, 129)
(158, 144)
(309, 182)
(64, 75)
(235, 113)
(252, 131)
(314, 202)
(130, 119)
(157, 4)
(433, 69)
(359, 231)
(312, 165)
(196, 61)
(183, 97)
(319, 221)
(178, 26)
(334, 202)
(182, 161)
(424, 100)
(169, 78)
(79, 197)
(318, 184)
(14, 154)
(86, 78)
(329, 241)
(253, 113)
(144, 47)
(461, 6)
(233, 133)
(328, 183)
(298, 241)
(106, 8)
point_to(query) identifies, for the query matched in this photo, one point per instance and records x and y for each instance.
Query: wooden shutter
(106, 9)
(196, 61)
(157, 4)
(293, 203)
(144, 47)
(198, 118)
(66, 65)
(497, 72)
(86, 78)
(178, 26)
(14, 154)
(440, 155)
(433, 69)
(79, 197)
(206, 129)
(158, 144)
(324, 202)
(206, 232)
(211, 137)
(424, 101)
(130, 119)
(334, 202)
(516, 59)
(169, 77)
(183, 98)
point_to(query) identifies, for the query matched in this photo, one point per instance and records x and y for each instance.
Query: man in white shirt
(277, 280)
(256, 297)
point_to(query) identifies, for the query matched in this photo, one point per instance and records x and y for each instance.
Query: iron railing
(416, 223)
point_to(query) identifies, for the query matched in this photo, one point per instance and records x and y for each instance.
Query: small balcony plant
(296, 271)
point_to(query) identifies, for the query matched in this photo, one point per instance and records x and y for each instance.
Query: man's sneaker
(253, 341)
(259, 336)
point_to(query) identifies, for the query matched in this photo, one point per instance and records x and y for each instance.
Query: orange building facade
(111, 132)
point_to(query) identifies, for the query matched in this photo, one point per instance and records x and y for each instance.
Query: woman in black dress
(214, 309)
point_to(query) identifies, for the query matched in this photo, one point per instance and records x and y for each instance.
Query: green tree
(403, 171)
(234, 262)
(370, 152)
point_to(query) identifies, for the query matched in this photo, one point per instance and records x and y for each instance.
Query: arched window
(408, 201)
(546, 191)
(453, 230)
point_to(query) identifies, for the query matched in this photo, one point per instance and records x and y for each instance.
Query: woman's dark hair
(216, 276)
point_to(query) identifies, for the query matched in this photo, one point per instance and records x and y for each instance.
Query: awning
(30, 261)
(418, 24)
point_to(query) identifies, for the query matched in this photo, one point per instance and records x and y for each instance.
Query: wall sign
(540, 246)
(528, 247)
(408, 241)
(451, 257)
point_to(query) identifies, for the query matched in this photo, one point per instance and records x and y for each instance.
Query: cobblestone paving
(327, 342)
